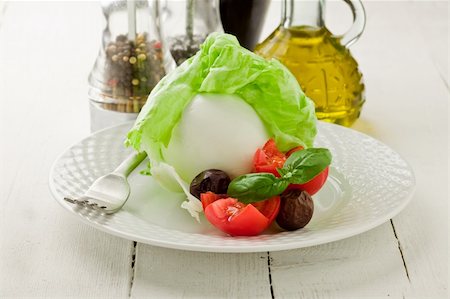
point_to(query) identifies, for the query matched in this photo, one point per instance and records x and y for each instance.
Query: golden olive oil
(325, 69)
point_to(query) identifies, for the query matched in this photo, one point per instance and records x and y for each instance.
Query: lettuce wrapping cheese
(222, 66)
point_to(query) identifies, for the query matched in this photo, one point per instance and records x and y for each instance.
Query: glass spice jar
(187, 23)
(131, 61)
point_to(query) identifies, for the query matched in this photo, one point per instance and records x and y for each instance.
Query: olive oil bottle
(320, 61)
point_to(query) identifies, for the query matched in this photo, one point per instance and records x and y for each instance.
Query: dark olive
(296, 209)
(213, 180)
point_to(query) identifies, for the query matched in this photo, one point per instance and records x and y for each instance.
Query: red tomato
(271, 149)
(293, 150)
(236, 218)
(268, 159)
(269, 207)
(209, 197)
(313, 185)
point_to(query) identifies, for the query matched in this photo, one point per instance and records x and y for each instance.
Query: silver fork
(109, 193)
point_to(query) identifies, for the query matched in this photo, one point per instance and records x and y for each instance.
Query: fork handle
(130, 163)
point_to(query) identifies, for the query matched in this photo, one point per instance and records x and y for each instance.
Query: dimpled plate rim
(391, 184)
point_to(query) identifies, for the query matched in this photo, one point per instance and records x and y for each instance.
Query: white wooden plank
(407, 106)
(168, 273)
(423, 227)
(44, 251)
(434, 31)
(364, 266)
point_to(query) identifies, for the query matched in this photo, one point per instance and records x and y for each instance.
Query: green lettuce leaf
(222, 66)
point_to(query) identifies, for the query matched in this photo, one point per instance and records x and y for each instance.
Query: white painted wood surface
(368, 265)
(44, 251)
(168, 273)
(46, 52)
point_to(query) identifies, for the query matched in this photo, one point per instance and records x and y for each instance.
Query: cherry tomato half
(269, 207)
(210, 197)
(293, 150)
(314, 185)
(268, 159)
(238, 219)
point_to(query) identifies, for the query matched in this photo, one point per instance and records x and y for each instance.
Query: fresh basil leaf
(282, 171)
(302, 166)
(256, 187)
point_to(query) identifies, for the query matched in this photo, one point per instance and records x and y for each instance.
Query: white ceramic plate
(369, 183)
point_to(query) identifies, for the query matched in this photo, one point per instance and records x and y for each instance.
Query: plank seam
(401, 251)
(269, 259)
(132, 269)
(443, 79)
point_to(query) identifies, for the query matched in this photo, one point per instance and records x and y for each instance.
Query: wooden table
(46, 52)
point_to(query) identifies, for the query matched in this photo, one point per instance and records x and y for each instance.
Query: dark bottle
(244, 19)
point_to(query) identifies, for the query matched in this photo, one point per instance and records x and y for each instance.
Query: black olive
(296, 209)
(213, 180)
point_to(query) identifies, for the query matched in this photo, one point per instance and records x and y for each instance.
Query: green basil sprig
(301, 167)
(306, 164)
(256, 186)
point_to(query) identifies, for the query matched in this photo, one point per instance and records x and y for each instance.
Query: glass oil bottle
(321, 61)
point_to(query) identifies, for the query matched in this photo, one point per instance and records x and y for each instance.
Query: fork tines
(84, 202)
